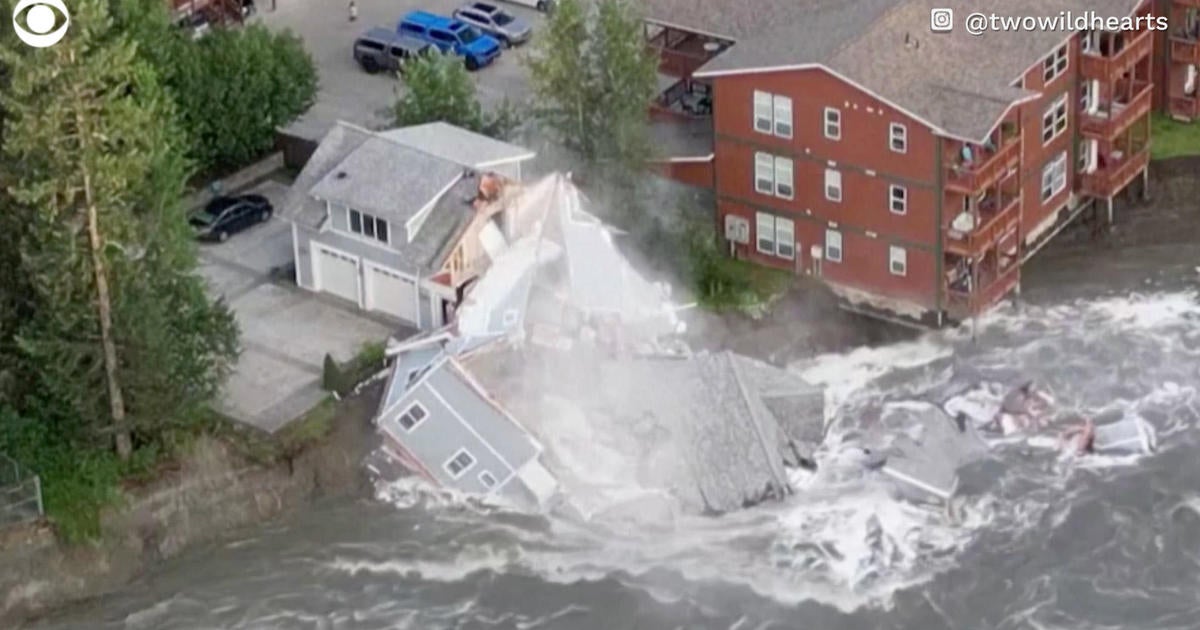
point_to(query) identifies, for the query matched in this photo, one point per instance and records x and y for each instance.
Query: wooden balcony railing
(1108, 181)
(1185, 50)
(962, 305)
(1186, 107)
(1109, 69)
(1106, 125)
(987, 169)
(993, 227)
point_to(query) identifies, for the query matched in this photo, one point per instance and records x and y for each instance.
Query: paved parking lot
(286, 331)
(346, 92)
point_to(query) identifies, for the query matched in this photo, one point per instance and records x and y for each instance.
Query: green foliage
(596, 78)
(439, 88)
(1171, 138)
(722, 283)
(331, 375)
(342, 379)
(307, 430)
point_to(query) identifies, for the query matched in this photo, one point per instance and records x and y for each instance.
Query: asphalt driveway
(286, 331)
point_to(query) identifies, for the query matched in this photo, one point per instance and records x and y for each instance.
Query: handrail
(991, 229)
(986, 172)
(1134, 110)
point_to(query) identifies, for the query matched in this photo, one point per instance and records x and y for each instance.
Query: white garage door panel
(338, 274)
(393, 294)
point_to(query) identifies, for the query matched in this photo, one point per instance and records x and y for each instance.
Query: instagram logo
(941, 20)
(40, 20)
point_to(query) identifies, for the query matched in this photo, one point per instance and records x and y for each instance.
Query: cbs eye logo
(40, 20)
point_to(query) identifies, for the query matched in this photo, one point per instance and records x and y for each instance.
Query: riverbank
(221, 485)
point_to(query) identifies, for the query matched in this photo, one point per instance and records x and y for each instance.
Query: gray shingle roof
(338, 142)
(958, 83)
(445, 225)
(458, 145)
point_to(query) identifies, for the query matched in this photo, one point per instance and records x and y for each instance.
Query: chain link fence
(20, 493)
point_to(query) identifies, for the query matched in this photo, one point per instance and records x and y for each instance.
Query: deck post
(1109, 202)
(1146, 183)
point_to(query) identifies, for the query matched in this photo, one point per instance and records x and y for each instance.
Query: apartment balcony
(987, 166)
(1113, 117)
(680, 53)
(1185, 49)
(964, 301)
(991, 223)
(1118, 55)
(1114, 173)
(1185, 107)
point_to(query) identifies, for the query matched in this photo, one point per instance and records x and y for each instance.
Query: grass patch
(308, 429)
(343, 378)
(724, 284)
(1172, 138)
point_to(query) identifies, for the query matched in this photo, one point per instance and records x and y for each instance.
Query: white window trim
(362, 221)
(763, 99)
(790, 241)
(765, 160)
(892, 199)
(897, 131)
(1050, 66)
(836, 123)
(897, 255)
(832, 176)
(761, 219)
(489, 475)
(1057, 185)
(781, 109)
(416, 404)
(1058, 125)
(784, 166)
(468, 467)
(832, 235)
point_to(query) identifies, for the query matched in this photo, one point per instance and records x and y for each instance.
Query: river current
(1034, 540)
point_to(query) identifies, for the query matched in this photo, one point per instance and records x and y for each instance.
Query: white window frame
(363, 218)
(1054, 177)
(764, 225)
(465, 469)
(833, 243)
(898, 134)
(785, 238)
(897, 203)
(1055, 65)
(762, 112)
(488, 474)
(784, 178)
(833, 185)
(416, 404)
(764, 163)
(1089, 40)
(832, 123)
(782, 109)
(1054, 119)
(897, 255)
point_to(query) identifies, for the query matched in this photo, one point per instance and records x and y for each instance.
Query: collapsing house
(562, 316)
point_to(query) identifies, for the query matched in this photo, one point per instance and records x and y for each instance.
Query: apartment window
(368, 226)
(898, 138)
(1054, 65)
(1054, 176)
(765, 233)
(487, 479)
(762, 112)
(1085, 96)
(1054, 121)
(898, 199)
(764, 173)
(833, 185)
(783, 116)
(785, 238)
(783, 178)
(833, 245)
(898, 261)
(833, 124)
(460, 463)
(1089, 41)
(412, 416)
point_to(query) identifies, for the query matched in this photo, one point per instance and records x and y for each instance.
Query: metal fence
(20, 493)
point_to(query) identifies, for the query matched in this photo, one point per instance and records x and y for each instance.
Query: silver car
(509, 29)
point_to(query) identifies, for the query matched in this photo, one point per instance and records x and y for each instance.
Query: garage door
(338, 273)
(392, 294)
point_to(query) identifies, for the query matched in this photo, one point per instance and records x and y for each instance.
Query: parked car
(491, 19)
(545, 6)
(383, 49)
(225, 216)
(451, 36)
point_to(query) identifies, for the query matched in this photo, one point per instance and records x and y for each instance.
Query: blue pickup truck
(451, 36)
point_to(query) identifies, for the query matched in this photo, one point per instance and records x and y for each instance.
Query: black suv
(229, 215)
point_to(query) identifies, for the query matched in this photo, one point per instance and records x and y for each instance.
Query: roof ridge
(972, 93)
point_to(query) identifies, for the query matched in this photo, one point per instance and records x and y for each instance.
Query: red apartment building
(913, 171)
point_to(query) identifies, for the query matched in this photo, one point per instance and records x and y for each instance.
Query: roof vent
(911, 42)
(341, 175)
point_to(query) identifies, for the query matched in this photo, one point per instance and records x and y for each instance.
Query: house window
(783, 116)
(1054, 176)
(487, 479)
(764, 173)
(1055, 65)
(461, 462)
(412, 416)
(833, 124)
(1089, 41)
(783, 178)
(765, 233)
(899, 138)
(368, 226)
(1054, 121)
(833, 185)
(897, 260)
(762, 112)
(898, 199)
(833, 245)
(785, 238)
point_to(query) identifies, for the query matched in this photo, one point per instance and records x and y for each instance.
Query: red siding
(693, 173)
(1036, 154)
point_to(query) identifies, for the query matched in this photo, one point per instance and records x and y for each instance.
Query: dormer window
(369, 226)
